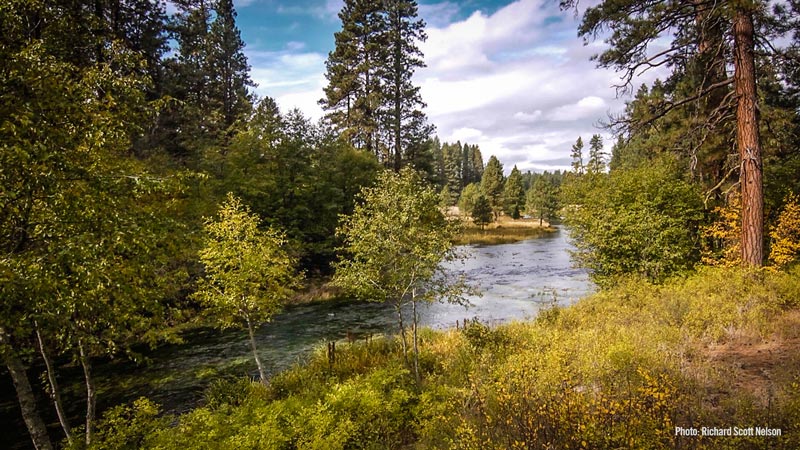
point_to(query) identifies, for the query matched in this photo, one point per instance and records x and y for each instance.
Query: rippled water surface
(516, 280)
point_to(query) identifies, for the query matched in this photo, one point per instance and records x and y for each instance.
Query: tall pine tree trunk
(748, 140)
(86, 363)
(55, 391)
(27, 401)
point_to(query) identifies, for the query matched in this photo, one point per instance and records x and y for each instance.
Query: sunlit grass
(503, 231)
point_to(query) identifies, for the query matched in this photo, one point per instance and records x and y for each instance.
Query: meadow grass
(503, 231)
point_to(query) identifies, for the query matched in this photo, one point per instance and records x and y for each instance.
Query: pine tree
(229, 71)
(370, 98)
(698, 37)
(402, 110)
(597, 162)
(577, 156)
(482, 212)
(451, 153)
(476, 161)
(492, 185)
(514, 193)
(353, 95)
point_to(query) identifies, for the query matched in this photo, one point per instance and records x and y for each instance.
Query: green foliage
(469, 197)
(482, 212)
(514, 193)
(127, 427)
(492, 184)
(641, 221)
(542, 199)
(395, 241)
(248, 273)
(297, 178)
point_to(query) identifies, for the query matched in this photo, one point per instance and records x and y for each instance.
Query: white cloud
(517, 82)
(294, 80)
(520, 81)
(465, 134)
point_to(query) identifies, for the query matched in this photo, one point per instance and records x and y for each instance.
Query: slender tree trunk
(399, 310)
(27, 401)
(261, 372)
(86, 363)
(414, 332)
(55, 391)
(748, 140)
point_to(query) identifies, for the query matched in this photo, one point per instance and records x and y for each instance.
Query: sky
(510, 76)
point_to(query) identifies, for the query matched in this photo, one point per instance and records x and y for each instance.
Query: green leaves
(248, 272)
(641, 221)
(395, 242)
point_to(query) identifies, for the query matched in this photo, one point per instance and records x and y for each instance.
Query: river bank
(504, 230)
(621, 369)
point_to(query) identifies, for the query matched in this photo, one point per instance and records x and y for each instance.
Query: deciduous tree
(395, 242)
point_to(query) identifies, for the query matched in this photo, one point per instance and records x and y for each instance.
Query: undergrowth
(620, 369)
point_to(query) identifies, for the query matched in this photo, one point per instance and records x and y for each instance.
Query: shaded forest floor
(624, 368)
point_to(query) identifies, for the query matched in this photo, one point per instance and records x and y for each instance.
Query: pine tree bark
(748, 140)
(27, 401)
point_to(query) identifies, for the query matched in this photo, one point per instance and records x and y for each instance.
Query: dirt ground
(759, 366)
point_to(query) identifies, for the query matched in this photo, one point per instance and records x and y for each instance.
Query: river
(515, 281)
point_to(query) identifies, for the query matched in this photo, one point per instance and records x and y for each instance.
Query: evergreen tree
(514, 193)
(482, 213)
(209, 81)
(476, 162)
(402, 111)
(542, 199)
(354, 94)
(577, 156)
(492, 185)
(451, 154)
(229, 71)
(698, 38)
(597, 163)
(470, 194)
(370, 97)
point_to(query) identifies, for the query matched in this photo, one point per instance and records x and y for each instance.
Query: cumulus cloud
(292, 77)
(520, 80)
(517, 81)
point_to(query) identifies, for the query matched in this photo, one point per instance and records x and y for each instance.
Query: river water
(516, 280)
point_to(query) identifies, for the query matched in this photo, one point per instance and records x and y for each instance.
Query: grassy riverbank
(503, 231)
(620, 369)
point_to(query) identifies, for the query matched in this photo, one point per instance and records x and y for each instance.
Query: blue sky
(512, 77)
